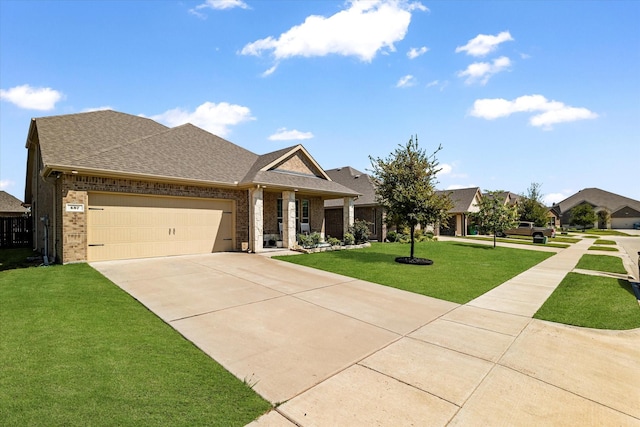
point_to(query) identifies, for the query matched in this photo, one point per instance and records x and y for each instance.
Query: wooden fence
(15, 232)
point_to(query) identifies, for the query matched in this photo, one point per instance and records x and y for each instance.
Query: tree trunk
(494, 238)
(412, 227)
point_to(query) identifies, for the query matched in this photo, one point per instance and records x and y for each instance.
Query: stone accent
(75, 189)
(348, 214)
(289, 219)
(257, 223)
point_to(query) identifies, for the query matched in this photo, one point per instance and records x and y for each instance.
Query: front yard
(461, 271)
(78, 351)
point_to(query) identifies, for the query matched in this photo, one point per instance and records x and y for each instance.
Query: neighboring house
(108, 185)
(10, 206)
(465, 201)
(366, 207)
(623, 211)
(509, 198)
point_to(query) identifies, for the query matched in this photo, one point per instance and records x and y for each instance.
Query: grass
(557, 239)
(603, 248)
(529, 242)
(16, 258)
(600, 232)
(604, 242)
(76, 350)
(461, 271)
(592, 302)
(610, 264)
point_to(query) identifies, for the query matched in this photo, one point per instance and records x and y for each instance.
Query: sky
(514, 92)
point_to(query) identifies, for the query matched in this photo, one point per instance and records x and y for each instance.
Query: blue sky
(515, 91)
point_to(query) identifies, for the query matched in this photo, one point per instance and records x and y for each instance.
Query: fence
(15, 232)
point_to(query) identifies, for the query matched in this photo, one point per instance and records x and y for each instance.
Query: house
(108, 185)
(11, 206)
(365, 206)
(623, 211)
(465, 201)
(510, 198)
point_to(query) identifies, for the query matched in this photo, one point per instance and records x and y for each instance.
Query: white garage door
(132, 226)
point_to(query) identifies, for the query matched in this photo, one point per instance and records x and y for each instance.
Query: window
(305, 212)
(301, 215)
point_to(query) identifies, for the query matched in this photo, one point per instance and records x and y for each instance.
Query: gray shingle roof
(10, 204)
(112, 142)
(598, 197)
(462, 198)
(359, 182)
(72, 136)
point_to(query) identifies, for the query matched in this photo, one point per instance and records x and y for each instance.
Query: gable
(626, 212)
(297, 163)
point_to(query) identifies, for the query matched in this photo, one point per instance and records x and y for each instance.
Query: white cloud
(283, 134)
(362, 30)
(407, 81)
(415, 52)
(550, 199)
(548, 112)
(102, 108)
(481, 72)
(5, 183)
(215, 118)
(217, 5)
(32, 98)
(445, 169)
(484, 44)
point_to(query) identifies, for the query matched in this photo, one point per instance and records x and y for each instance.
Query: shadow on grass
(474, 245)
(12, 259)
(632, 287)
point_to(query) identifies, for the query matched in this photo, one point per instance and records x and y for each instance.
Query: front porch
(277, 217)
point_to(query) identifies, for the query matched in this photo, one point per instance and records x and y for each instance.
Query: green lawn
(603, 248)
(17, 258)
(461, 271)
(528, 241)
(604, 242)
(603, 232)
(78, 351)
(611, 264)
(592, 302)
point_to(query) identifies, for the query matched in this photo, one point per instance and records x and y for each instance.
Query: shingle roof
(599, 198)
(118, 143)
(9, 203)
(462, 198)
(72, 136)
(359, 182)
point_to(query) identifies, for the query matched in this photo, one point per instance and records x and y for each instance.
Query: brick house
(623, 211)
(109, 185)
(365, 206)
(465, 201)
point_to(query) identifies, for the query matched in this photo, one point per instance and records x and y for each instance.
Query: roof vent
(356, 176)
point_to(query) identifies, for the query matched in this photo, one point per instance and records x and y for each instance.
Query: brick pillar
(348, 214)
(256, 220)
(288, 219)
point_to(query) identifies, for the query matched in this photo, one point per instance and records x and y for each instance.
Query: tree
(583, 215)
(603, 219)
(531, 208)
(405, 187)
(493, 215)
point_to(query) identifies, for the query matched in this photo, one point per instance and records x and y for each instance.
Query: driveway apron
(332, 350)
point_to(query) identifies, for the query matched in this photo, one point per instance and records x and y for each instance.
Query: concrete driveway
(332, 350)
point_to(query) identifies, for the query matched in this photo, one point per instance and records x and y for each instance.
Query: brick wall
(75, 189)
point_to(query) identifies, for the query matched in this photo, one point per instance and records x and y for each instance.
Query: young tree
(531, 208)
(583, 215)
(604, 217)
(494, 215)
(405, 187)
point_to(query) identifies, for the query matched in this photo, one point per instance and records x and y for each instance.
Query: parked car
(636, 225)
(526, 228)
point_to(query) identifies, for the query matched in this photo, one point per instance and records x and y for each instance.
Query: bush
(333, 241)
(349, 239)
(360, 230)
(392, 236)
(316, 238)
(306, 241)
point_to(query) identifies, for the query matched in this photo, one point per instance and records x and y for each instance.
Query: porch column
(347, 214)
(256, 220)
(288, 219)
(383, 232)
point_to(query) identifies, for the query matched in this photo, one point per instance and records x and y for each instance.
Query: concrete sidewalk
(338, 351)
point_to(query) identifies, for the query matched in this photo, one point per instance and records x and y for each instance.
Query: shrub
(392, 236)
(349, 239)
(333, 241)
(306, 241)
(316, 238)
(360, 230)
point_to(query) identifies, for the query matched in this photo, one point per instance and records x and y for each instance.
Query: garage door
(131, 226)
